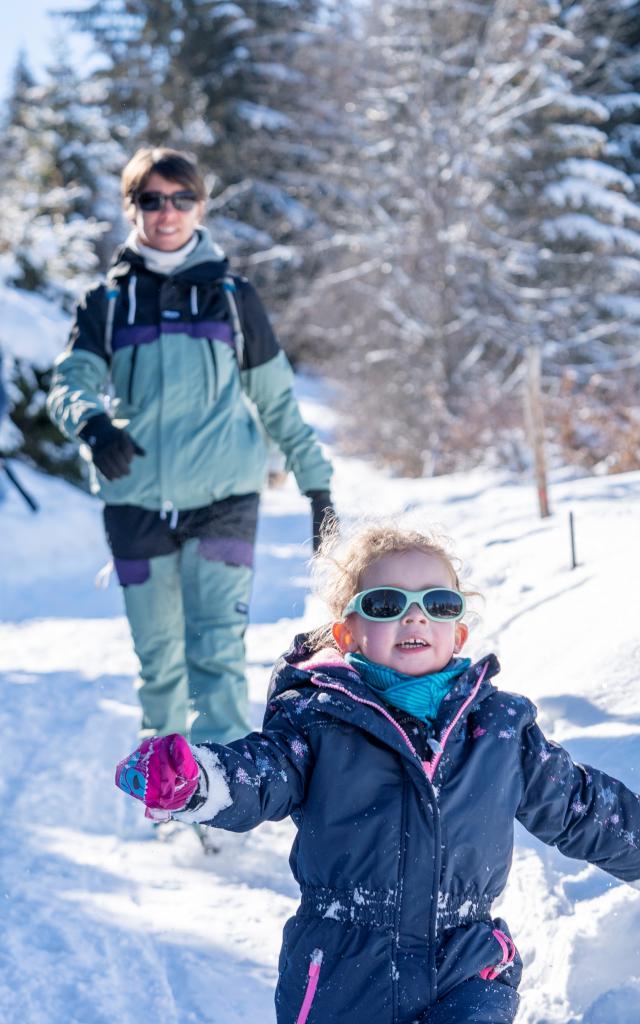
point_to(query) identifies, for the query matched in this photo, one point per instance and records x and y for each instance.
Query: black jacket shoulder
(88, 328)
(260, 341)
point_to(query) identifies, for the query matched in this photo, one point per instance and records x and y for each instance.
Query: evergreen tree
(496, 220)
(58, 181)
(59, 186)
(592, 217)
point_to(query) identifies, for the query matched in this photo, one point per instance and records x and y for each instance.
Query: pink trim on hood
(432, 765)
(371, 704)
(327, 657)
(330, 657)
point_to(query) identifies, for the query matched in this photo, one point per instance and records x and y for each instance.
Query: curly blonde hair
(343, 556)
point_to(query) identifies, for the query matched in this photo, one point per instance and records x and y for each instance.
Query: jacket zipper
(315, 963)
(213, 390)
(395, 939)
(436, 815)
(132, 370)
(165, 504)
(377, 707)
(429, 768)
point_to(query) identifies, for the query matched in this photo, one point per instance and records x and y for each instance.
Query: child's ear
(462, 632)
(344, 638)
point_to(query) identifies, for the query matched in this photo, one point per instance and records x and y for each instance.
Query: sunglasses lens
(150, 201)
(184, 201)
(444, 604)
(383, 603)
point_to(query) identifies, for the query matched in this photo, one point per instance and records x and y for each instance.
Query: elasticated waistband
(372, 908)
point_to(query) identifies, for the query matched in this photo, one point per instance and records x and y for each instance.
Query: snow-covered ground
(102, 924)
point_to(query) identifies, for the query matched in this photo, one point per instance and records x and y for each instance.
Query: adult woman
(177, 453)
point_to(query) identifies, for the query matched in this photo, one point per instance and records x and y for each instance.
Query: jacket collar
(330, 661)
(327, 670)
(206, 263)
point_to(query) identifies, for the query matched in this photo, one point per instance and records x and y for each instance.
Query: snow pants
(188, 612)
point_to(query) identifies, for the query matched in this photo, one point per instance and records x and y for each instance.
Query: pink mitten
(162, 772)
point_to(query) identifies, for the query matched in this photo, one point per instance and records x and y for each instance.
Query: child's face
(393, 643)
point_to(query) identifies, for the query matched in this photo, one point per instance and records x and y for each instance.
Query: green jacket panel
(270, 388)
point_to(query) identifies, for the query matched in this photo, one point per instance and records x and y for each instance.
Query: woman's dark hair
(172, 164)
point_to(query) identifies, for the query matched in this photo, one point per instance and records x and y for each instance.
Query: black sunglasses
(152, 201)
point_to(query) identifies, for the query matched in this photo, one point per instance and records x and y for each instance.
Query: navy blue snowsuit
(399, 858)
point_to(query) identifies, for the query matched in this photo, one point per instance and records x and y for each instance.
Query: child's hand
(162, 772)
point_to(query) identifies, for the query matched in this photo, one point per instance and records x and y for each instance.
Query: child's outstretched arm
(586, 813)
(258, 778)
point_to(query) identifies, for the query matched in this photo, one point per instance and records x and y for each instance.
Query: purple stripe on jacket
(142, 334)
(216, 329)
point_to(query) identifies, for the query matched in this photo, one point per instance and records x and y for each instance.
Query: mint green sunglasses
(440, 604)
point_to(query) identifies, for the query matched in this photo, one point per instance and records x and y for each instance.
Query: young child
(403, 768)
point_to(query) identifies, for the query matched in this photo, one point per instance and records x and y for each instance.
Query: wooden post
(534, 420)
(572, 537)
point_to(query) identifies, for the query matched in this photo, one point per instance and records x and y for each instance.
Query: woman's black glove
(321, 510)
(112, 449)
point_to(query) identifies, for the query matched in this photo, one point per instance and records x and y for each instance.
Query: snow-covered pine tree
(587, 236)
(57, 175)
(406, 277)
(484, 150)
(57, 187)
(596, 401)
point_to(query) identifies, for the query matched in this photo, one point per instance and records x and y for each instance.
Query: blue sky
(27, 25)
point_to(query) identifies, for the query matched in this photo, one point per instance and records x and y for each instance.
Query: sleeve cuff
(213, 788)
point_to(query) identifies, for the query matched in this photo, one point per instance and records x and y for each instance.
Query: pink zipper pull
(314, 972)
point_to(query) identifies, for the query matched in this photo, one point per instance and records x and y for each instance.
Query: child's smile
(412, 645)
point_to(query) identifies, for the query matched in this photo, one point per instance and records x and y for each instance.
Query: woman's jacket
(400, 860)
(169, 371)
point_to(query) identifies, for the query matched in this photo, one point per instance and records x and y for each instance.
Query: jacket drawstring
(508, 955)
(133, 283)
(194, 300)
(173, 513)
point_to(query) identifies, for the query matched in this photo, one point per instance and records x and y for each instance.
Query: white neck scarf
(159, 261)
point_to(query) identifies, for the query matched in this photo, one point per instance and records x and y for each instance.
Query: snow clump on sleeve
(214, 782)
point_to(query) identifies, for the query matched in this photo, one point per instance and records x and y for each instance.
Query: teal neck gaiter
(421, 696)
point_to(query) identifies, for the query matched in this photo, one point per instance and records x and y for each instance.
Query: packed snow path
(102, 924)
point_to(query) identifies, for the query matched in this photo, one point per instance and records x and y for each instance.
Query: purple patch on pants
(132, 570)
(229, 550)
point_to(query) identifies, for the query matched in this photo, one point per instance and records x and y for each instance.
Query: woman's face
(166, 229)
